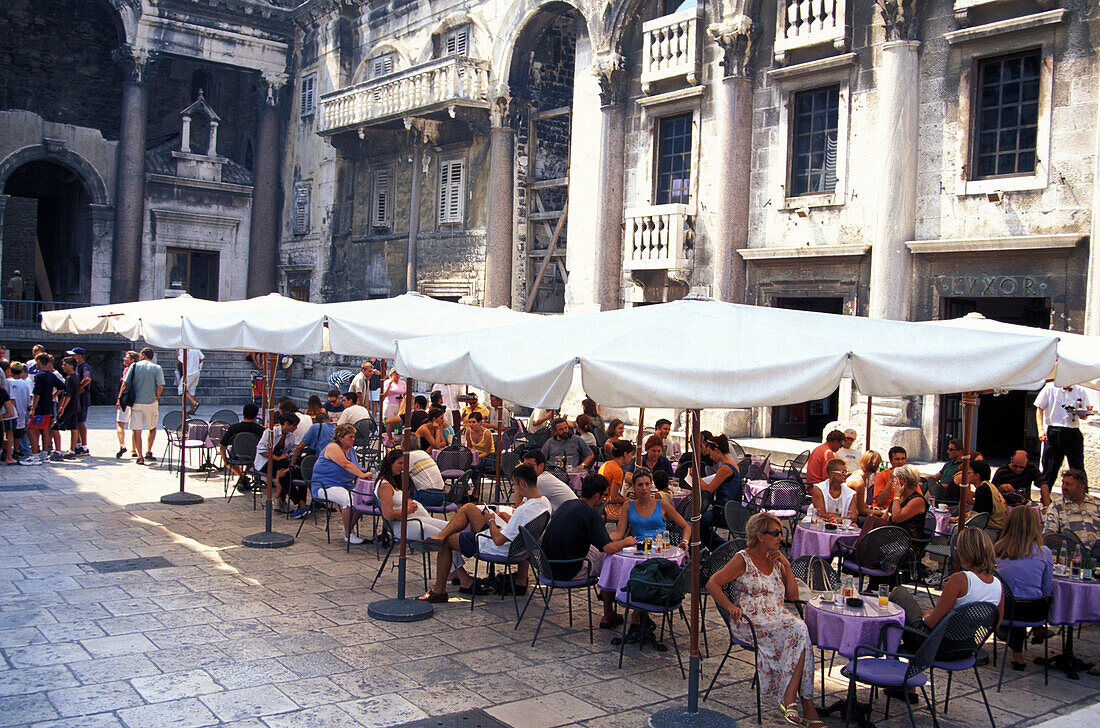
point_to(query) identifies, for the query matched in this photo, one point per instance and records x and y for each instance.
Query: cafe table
(1072, 602)
(940, 521)
(616, 568)
(815, 540)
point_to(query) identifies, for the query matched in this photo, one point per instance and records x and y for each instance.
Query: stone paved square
(230, 636)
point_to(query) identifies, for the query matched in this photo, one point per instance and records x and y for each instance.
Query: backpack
(651, 581)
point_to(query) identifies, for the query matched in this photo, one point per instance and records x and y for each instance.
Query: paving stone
(383, 710)
(19, 709)
(123, 667)
(189, 713)
(544, 711)
(96, 698)
(243, 674)
(248, 703)
(35, 679)
(315, 691)
(46, 654)
(330, 716)
(175, 685)
(99, 720)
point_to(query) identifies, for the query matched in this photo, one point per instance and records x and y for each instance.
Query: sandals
(140, 460)
(616, 621)
(433, 598)
(791, 714)
(818, 723)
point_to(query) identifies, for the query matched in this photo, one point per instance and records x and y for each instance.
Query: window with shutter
(382, 65)
(381, 199)
(457, 41)
(309, 94)
(301, 208)
(452, 190)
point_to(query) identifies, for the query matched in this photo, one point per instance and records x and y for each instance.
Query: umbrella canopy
(121, 318)
(1078, 355)
(704, 353)
(371, 327)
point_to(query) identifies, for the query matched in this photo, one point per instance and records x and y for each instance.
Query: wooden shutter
(301, 208)
(452, 186)
(309, 94)
(457, 42)
(382, 65)
(380, 204)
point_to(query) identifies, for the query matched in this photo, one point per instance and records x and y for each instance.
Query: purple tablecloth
(616, 568)
(940, 521)
(815, 541)
(1075, 601)
(753, 488)
(841, 628)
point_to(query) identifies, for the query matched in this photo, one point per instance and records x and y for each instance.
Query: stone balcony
(659, 237)
(670, 48)
(431, 89)
(809, 23)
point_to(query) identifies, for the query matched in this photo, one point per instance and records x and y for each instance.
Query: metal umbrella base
(268, 539)
(181, 498)
(683, 718)
(400, 610)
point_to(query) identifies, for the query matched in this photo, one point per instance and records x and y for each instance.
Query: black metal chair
(737, 516)
(710, 566)
(736, 450)
(1040, 606)
(172, 424)
(416, 543)
(508, 462)
(454, 461)
(214, 434)
(793, 468)
(227, 416)
(366, 442)
(546, 582)
(673, 601)
(192, 436)
(749, 645)
(455, 494)
(877, 554)
(517, 554)
(241, 452)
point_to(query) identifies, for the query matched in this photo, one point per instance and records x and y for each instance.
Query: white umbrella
(120, 318)
(702, 353)
(1078, 355)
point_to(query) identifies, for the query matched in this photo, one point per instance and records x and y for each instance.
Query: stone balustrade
(658, 237)
(443, 83)
(670, 47)
(806, 23)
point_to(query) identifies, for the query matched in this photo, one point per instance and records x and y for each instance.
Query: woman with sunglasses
(646, 514)
(755, 583)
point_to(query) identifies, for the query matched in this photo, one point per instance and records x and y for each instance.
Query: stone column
(130, 174)
(411, 284)
(896, 210)
(608, 269)
(733, 114)
(498, 242)
(1092, 295)
(263, 238)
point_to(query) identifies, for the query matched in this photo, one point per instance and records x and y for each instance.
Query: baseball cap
(76, 350)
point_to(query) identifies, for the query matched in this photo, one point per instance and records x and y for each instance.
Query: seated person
(1076, 511)
(946, 487)
(479, 438)
(421, 525)
(490, 532)
(884, 480)
(653, 457)
(313, 407)
(352, 412)
(334, 477)
(248, 424)
(863, 481)
(821, 455)
(686, 461)
(557, 492)
(288, 407)
(576, 533)
(908, 508)
(987, 497)
(614, 470)
(420, 412)
(973, 582)
(433, 431)
(761, 580)
(660, 482)
(286, 438)
(1027, 566)
(833, 500)
(614, 433)
(472, 406)
(566, 448)
(584, 429)
(725, 485)
(333, 405)
(1015, 480)
(427, 481)
(316, 438)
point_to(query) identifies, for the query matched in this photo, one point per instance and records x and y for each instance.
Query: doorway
(806, 420)
(1005, 423)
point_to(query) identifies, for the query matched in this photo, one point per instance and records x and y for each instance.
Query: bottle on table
(1075, 569)
(1086, 568)
(812, 513)
(1059, 558)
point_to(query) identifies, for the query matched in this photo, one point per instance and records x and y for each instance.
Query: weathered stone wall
(55, 60)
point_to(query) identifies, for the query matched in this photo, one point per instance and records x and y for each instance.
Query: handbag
(126, 396)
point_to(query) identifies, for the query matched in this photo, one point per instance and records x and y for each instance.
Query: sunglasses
(777, 533)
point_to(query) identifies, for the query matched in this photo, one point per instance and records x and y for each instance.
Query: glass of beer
(884, 596)
(649, 543)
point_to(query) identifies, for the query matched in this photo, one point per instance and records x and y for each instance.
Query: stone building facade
(911, 159)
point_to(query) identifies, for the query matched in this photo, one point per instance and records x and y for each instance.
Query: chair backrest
(684, 506)
(978, 520)
(535, 553)
(535, 527)
(227, 416)
(758, 471)
(455, 458)
(364, 431)
(216, 431)
(508, 462)
(1056, 541)
(816, 573)
(737, 517)
(172, 420)
(883, 548)
(307, 467)
(929, 649)
(243, 447)
(736, 450)
(800, 461)
(714, 563)
(1010, 603)
(968, 627)
(784, 495)
(459, 487)
(557, 471)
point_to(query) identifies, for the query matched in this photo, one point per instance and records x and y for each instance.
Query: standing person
(1058, 415)
(189, 377)
(847, 453)
(41, 410)
(20, 387)
(360, 384)
(392, 393)
(68, 408)
(15, 295)
(147, 379)
(9, 416)
(122, 415)
(84, 374)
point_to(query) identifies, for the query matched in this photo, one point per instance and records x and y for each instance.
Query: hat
(76, 350)
(16, 273)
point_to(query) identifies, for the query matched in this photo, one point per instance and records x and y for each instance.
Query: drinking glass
(884, 595)
(847, 523)
(649, 544)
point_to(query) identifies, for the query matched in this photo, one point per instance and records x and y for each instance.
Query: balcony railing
(438, 84)
(23, 313)
(658, 237)
(670, 47)
(806, 23)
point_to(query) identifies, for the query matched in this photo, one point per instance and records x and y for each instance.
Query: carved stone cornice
(899, 18)
(137, 63)
(273, 83)
(610, 70)
(737, 39)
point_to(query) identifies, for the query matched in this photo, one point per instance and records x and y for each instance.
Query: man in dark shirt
(576, 531)
(248, 424)
(420, 412)
(68, 408)
(40, 418)
(84, 374)
(1015, 480)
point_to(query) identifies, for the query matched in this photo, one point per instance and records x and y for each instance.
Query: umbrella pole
(268, 539)
(638, 442)
(180, 497)
(402, 609)
(496, 449)
(378, 415)
(969, 399)
(867, 430)
(692, 716)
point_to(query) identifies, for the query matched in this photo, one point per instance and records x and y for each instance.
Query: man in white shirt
(286, 439)
(550, 485)
(352, 412)
(360, 383)
(1058, 415)
(189, 376)
(426, 478)
(847, 453)
(490, 533)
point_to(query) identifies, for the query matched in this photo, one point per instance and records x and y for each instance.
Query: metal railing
(23, 314)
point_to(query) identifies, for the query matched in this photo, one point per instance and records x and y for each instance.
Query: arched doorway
(48, 233)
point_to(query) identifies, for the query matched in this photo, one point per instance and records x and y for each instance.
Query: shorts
(66, 421)
(9, 425)
(122, 416)
(192, 385)
(39, 422)
(467, 543)
(144, 416)
(595, 558)
(82, 414)
(19, 433)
